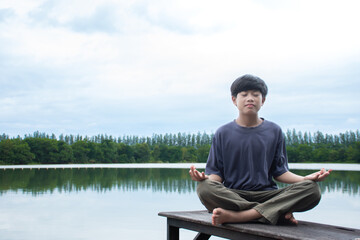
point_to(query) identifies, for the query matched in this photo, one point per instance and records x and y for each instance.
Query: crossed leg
(221, 216)
(240, 210)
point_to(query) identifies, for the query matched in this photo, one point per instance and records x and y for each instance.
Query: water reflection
(348, 182)
(68, 180)
(155, 179)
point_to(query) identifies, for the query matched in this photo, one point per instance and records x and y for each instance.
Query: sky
(154, 67)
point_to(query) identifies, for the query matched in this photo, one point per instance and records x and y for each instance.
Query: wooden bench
(200, 221)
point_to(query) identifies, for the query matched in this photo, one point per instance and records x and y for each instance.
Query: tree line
(42, 148)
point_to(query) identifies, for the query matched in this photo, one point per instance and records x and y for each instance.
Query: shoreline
(297, 166)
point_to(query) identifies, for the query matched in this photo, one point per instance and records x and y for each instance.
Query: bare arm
(200, 176)
(289, 177)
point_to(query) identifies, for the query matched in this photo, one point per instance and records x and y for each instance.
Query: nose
(250, 98)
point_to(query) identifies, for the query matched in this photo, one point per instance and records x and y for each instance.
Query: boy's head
(248, 82)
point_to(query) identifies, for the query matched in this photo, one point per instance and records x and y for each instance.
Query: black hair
(248, 82)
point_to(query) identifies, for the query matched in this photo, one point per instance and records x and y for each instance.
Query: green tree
(321, 155)
(304, 153)
(65, 153)
(142, 153)
(15, 151)
(175, 154)
(180, 147)
(292, 154)
(203, 153)
(155, 154)
(109, 149)
(45, 150)
(125, 153)
(81, 152)
(95, 154)
(353, 153)
(170, 154)
(188, 154)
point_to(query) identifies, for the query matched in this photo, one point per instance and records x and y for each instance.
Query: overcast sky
(143, 67)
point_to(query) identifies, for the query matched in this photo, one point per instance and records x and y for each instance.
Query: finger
(325, 173)
(317, 174)
(200, 175)
(193, 175)
(195, 178)
(197, 174)
(323, 176)
(193, 169)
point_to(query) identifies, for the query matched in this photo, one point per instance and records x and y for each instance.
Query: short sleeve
(280, 163)
(214, 163)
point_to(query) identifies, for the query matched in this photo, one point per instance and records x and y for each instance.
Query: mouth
(250, 105)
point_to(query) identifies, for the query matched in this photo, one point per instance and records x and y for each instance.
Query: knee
(202, 189)
(205, 189)
(313, 190)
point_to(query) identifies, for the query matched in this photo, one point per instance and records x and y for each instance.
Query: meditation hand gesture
(318, 176)
(196, 175)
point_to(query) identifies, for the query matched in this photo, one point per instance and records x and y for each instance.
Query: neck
(249, 121)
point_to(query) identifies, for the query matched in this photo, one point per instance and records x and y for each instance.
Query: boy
(245, 156)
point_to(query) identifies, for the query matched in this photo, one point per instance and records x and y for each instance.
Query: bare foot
(221, 216)
(290, 218)
(287, 219)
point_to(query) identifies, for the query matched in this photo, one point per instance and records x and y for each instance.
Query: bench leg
(202, 236)
(172, 233)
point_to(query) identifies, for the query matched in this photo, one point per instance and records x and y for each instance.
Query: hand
(196, 175)
(318, 176)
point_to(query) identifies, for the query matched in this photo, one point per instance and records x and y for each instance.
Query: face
(249, 102)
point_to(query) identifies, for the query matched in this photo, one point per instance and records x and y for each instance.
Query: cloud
(352, 120)
(101, 18)
(153, 66)
(5, 14)
(101, 21)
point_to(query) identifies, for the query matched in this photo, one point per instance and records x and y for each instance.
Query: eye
(256, 93)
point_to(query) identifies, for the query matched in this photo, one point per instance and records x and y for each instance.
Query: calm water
(123, 203)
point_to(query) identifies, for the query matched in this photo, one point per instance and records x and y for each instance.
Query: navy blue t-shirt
(248, 158)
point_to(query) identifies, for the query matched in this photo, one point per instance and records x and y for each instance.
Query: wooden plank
(201, 221)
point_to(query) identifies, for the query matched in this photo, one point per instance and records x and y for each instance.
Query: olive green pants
(271, 204)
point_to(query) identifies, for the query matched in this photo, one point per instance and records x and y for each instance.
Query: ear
(263, 101)
(233, 100)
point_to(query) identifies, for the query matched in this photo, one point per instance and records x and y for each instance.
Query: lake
(122, 201)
